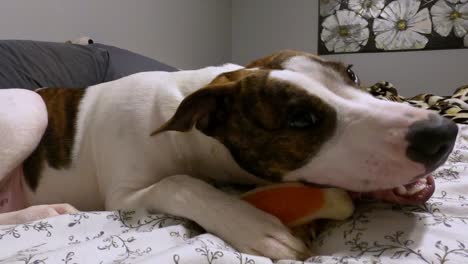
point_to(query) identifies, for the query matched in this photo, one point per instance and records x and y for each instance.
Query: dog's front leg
(244, 226)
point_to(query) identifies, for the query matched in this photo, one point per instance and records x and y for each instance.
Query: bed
(436, 232)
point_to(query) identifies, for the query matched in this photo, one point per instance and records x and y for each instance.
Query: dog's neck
(200, 155)
(206, 158)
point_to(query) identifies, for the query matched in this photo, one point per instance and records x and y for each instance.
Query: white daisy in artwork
(329, 7)
(457, 1)
(367, 8)
(401, 26)
(344, 31)
(448, 15)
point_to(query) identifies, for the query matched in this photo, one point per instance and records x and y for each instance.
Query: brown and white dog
(156, 139)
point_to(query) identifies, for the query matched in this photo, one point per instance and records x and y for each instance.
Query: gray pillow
(123, 62)
(33, 64)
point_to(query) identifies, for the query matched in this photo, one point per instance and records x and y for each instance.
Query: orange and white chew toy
(298, 204)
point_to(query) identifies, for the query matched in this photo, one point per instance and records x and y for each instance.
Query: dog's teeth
(413, 188)
(401, 190)
(416, 188)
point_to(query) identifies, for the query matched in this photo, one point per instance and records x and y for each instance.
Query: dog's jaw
(414, 193)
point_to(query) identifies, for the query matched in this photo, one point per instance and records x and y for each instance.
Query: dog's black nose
(431, 141)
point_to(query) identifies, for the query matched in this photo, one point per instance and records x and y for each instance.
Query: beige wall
(196, 33)
(183, 33)
(262, 26)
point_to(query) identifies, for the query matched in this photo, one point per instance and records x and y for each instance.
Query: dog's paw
(277, 244)
(262, 234)
(38, 212)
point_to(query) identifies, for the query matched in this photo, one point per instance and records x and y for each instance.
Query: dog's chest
(77, 186)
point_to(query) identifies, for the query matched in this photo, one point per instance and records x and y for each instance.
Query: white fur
(117, 164)
(369, 138)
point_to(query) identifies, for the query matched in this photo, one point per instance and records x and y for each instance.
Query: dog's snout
(430, 141)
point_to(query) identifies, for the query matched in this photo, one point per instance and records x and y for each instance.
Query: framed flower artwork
(348, 26)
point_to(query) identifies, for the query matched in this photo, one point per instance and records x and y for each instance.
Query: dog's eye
(352, 75)
(302, 120)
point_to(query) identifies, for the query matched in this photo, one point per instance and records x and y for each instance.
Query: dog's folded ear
(204, 108)
(208, 107)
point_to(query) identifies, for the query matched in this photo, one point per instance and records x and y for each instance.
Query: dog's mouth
(415, 193)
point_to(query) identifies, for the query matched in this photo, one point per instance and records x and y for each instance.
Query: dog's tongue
(414, 193)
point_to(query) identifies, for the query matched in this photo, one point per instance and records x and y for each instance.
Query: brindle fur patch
(232, 76)
(276, 61)
(250, 118)
(56, 144)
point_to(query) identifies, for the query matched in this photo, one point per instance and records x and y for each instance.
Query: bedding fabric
(436, 232)
(377, 233)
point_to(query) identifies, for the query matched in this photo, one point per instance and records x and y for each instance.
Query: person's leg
(23, 120)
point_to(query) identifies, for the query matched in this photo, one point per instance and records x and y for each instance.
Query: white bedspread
(377, 233)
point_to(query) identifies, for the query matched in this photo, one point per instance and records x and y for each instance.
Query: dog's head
(295, 117)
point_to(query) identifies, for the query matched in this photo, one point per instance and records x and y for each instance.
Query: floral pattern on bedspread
(377, 233)
(115, 237)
